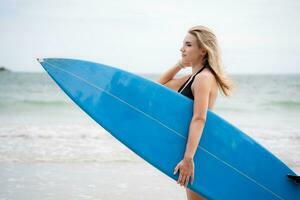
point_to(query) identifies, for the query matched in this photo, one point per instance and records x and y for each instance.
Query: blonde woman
(200, 51)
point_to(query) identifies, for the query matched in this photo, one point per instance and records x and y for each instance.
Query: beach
(111, 180)
(51, 149)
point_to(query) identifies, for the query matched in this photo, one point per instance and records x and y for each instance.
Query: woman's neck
(196, 68)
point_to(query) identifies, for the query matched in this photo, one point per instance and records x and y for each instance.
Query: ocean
(50, 149)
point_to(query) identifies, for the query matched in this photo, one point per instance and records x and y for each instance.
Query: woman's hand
(183, 64)
(186, 171)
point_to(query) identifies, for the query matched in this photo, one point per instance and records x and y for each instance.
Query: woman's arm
(169, 74)
(201, 90)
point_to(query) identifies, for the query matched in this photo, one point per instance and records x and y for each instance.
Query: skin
(205, 92)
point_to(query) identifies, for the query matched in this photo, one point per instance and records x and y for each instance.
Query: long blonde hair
(206, 39)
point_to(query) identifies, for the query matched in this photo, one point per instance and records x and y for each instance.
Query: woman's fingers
(187, 181)
(176, 169)
(183, 179)
(180, 177)
(192, 179)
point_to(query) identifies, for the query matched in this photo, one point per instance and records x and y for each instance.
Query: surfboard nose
(40, 60)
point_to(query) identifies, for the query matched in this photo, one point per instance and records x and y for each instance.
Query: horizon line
(156, 73)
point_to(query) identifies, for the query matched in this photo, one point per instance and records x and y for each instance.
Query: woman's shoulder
(205, 75)
(206, 79)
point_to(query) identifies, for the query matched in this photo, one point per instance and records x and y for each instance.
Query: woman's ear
(203, 52)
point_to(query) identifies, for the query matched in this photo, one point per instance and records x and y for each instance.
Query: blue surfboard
(153, 122)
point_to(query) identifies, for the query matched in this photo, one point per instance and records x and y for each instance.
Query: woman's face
(191, 52)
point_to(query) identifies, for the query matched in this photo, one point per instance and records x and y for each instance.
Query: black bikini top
(186, 88)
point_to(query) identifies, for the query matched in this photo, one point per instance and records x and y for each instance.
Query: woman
(200, 51)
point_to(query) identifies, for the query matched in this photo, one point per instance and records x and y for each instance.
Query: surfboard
(153, 121)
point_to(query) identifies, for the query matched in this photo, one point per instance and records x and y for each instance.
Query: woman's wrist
(179, 63)
(188, 157)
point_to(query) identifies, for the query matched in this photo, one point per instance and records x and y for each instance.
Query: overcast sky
(256, 36)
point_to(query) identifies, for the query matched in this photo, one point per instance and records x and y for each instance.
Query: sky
(255, 36)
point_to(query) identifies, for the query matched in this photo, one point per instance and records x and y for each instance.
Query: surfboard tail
(294, 178)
